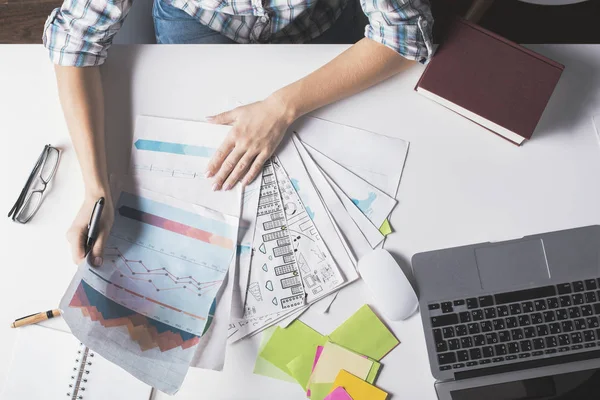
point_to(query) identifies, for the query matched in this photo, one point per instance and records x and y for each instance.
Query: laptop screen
(580, 385)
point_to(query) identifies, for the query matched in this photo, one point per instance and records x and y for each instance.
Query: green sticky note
(298, 339)
(364, 333)
(385, 228)
(373, 373)
(301, 368)
(318, 391)
(265, 368)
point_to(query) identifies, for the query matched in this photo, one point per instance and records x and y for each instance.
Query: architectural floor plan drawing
(274, 283)
(320, 275)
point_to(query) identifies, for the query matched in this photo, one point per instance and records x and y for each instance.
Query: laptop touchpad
(505, 265)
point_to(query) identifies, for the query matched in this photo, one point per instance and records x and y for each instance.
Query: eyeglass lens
(49, 165)
(30, 206)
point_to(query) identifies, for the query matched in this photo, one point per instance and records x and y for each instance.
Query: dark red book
(490, 80)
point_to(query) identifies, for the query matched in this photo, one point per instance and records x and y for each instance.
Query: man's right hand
(77, 234)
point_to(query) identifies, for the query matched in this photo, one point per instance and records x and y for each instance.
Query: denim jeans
(174, 26)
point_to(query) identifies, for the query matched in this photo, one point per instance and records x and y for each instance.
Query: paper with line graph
(153, 298)
(170, 156)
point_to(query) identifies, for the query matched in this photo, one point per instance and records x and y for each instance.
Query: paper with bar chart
(161, 145)
(148, 305)
(174, 154)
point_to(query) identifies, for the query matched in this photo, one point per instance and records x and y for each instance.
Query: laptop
(514, 320)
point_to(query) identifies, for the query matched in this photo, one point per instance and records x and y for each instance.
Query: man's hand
(257, 130)
(77, 234)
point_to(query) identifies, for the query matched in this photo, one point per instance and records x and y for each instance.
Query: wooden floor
(22, 21)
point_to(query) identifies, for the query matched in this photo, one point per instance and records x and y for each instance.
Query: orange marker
(35, 318)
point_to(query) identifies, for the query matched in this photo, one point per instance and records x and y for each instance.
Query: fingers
(220, 154)
(76, 239)
(227, 167)
(255, 168)
(98, 249)
(226, 118)
(77, 234)
(240, 169)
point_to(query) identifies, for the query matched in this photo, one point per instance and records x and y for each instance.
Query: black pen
(94, 225)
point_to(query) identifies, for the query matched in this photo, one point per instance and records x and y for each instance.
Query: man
(79, 34)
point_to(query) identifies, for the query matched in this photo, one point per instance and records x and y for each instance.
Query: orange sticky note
(357, 388)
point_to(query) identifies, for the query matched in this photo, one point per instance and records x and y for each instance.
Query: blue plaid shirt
(80, 32)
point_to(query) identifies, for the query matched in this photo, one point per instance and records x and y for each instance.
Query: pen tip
(12, 325)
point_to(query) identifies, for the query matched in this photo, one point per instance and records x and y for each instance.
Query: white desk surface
(461, 184)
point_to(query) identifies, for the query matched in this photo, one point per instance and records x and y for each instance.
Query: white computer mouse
(393, 294)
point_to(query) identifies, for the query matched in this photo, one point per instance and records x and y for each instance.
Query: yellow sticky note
(357, 388)
(385, 228)
(333, 359)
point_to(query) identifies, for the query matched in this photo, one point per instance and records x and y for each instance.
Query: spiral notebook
(54, 365)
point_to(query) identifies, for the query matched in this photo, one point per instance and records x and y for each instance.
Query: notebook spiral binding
(81, 370)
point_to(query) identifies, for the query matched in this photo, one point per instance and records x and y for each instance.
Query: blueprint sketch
(275, 282)
(320, 274)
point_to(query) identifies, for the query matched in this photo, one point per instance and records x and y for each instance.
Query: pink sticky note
(339, 393)
(317, 355)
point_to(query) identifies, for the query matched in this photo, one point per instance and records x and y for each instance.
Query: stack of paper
(318, 363)
(187, 269)
(324, 203)
(162, 299)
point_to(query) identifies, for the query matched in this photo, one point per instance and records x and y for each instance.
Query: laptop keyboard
(524, 324)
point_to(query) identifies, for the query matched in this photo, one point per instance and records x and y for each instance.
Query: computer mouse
(393, 294)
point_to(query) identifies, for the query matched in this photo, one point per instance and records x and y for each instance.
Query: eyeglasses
(31, 196)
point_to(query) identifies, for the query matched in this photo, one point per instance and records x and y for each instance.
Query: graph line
(184, 281)
(143, 297)
(125, 239)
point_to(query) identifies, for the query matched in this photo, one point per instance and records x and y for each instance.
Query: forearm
(361, 66)
(82, 100)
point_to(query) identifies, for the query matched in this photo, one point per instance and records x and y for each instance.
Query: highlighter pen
(35, 318)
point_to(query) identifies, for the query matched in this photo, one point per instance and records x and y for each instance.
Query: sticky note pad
(334, 358)
(296, 340)
(357, 388)
(302, 366)
(317, 356)
(264, 367)
(385, 227)
(364, 333)
(339, 393)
